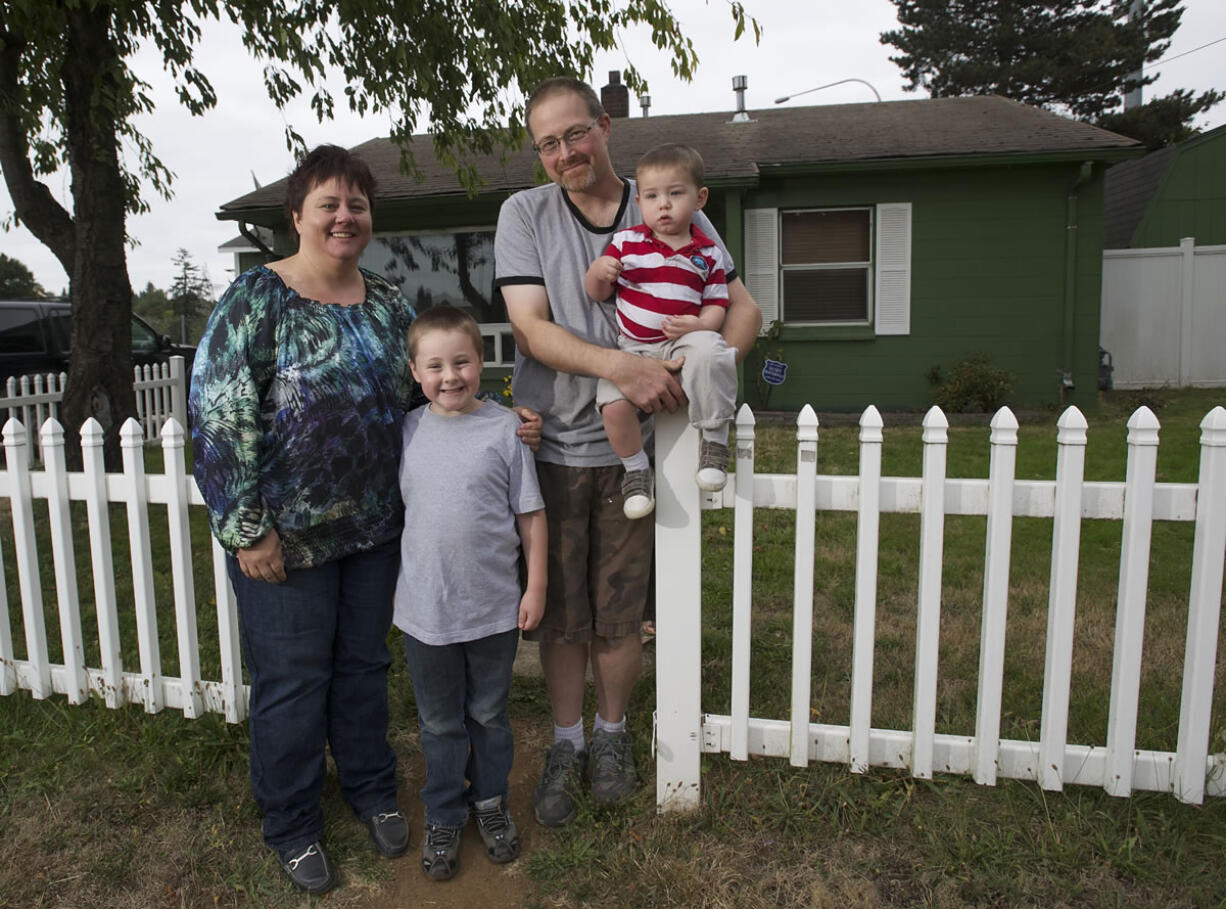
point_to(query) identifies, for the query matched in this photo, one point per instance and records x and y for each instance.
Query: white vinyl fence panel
(1164, 315)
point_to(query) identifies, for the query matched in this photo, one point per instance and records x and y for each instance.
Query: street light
(827, 85)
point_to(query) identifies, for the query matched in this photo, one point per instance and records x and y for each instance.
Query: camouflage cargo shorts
(599, 561)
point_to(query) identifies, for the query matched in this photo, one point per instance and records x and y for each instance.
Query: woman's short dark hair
(324, 163)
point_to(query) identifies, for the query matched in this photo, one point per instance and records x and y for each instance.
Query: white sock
(572, 734)
(603, 725)
(719, 435)
(638, 460)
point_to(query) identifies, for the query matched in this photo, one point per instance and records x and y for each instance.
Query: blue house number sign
(774, 372)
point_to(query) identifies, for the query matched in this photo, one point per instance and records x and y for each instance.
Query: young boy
(672, 294)
(468, 485)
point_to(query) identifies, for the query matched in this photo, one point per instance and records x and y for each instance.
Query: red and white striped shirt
(658, 281)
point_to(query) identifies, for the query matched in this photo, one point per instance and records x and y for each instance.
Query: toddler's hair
(672, 155)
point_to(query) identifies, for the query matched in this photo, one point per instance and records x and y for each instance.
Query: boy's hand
(606, 268)
(531, 608)
(529, 431)
(676, 326)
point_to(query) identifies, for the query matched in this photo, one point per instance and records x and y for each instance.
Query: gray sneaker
(554, 804)
(638, 496)
(712, 466)
(498, 831)
(440, 852)
(612, 764)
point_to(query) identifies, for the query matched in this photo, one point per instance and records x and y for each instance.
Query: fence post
(1001, 469)
(178, 389)
(182, 576)
(928, 617)
(868, 523)
(678, 723)
(802, 583)
(1062, 596)
(63, 555)
(1187, 304)
(101, 554)
(17, 456)
(1204, 612)
(131, 442)
(742, 582)
(1130, 603)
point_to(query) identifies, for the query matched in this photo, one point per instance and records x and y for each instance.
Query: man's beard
(578, 179)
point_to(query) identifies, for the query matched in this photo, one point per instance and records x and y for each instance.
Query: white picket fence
(160, 390)
(684, 731)
(176, 490)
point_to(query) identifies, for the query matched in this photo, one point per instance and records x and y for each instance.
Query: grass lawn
(103, 808)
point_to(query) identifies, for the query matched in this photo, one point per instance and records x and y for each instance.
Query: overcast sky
(805, 43)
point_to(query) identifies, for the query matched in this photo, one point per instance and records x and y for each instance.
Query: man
(599, 560)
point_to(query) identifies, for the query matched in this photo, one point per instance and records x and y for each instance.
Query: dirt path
(479, 883)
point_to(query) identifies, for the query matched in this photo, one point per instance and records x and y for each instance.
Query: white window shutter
(762, 261)
(893, 264)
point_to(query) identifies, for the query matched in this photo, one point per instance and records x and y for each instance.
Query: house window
(831, 266)
(455, 268)
(826, 265)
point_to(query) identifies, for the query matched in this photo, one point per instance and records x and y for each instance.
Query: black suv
(34, 339)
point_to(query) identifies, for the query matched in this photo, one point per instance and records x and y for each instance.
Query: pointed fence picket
(683, 730)
(1190, 772)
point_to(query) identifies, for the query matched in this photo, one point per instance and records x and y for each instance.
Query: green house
(881, 240)
(1176, 192)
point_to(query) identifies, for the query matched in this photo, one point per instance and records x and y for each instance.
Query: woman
(297, 397)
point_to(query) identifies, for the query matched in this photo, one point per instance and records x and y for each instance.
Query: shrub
(973, 386)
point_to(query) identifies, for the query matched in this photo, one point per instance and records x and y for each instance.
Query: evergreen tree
(1072, 56)
(17, 281)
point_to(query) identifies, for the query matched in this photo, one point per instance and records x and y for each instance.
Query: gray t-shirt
(463, 480)
(543, 239)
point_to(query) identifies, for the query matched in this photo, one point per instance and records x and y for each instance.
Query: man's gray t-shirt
(463, 480)
(544, 239)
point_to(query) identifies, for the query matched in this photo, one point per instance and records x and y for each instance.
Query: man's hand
(262, 560)
(650, 385)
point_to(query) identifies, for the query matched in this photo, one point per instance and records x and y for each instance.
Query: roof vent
(645, 103)
(615, 97)
(739, 85)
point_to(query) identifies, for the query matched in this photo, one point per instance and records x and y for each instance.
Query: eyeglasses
(572, 137)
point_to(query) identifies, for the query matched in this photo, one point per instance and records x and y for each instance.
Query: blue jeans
(316, 652)
(461, 692)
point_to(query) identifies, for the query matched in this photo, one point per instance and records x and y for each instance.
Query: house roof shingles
(857, 135)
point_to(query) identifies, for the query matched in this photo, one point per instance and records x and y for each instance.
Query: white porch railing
(160, 390)
(683, 730)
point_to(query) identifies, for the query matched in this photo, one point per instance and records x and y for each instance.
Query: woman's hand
(529, 431)
(262, 560)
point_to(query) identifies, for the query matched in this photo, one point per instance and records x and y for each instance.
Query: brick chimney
(615, 97)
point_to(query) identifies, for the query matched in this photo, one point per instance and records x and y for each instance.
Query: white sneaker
(638, 496)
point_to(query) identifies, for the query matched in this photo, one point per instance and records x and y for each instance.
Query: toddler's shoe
(712, 466)
(638, 495)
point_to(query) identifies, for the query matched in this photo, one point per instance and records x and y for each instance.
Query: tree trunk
(100, 371)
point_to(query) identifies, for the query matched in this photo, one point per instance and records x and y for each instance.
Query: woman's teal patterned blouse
(296, 408)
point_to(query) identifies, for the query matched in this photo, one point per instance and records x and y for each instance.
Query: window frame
(869, 267)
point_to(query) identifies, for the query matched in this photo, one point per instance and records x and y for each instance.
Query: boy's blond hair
(445, 318)
(672, 155)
